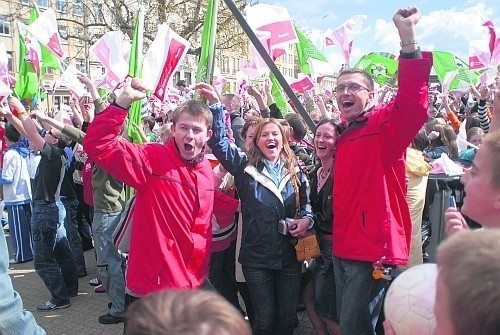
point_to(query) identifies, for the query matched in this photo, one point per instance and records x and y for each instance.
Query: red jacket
(171, 235)
(372, 219)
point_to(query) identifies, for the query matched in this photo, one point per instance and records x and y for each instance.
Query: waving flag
(49, 60)
(301, 84)
(445, 62)
(45, 30)
(4, 61)
(344, 35)
(105, 50)
(276, 22)
(135, 71)
(69, 79)
(279, 96)
(207, 44)
(382, 66)
(305, 50)
(34, 55)
(26, 86)
(320, 69)
(162, 59)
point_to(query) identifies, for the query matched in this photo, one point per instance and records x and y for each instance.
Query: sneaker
(50, 306)
(95, 281)
(99, 289)
(108, 319)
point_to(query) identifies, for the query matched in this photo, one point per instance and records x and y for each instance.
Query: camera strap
(297, 195)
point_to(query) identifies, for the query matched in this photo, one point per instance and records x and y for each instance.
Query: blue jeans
(52, 256)
(275, 294)
(325, 296)
(222, 269)
(14, 319)
(109, 262)
(359, 296)
(74, 238)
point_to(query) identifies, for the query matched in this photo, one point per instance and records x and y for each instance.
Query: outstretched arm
(32, 133)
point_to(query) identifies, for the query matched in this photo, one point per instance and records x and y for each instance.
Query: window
(78, 36)
(96, 9)
(43, 3)
(63, 32)
(61, 5)
(4, 25)
(187, 75)
(80, 65)
(10, 63)
(77, 7)
(25, 2)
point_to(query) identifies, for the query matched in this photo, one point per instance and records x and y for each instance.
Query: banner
(162, 60)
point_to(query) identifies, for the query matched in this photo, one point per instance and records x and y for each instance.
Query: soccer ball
(409, 302)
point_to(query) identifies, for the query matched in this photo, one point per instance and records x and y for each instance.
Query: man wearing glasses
(372, 220)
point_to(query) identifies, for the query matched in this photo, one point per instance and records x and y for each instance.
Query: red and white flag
(4, 62)
(344, 35)
(276, 21)
(162, 60)
(63, 116)
(301, 84)
(479, 54)
(109, 50)
(45, 30)
(34, 54)
(70, 80)
(320, 69)
(253, 68)
(218, 81)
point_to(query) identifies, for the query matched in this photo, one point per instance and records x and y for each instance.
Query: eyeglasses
(351, 88)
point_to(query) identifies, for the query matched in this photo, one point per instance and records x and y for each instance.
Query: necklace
(324, 175)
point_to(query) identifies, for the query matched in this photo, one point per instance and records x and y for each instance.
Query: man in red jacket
(172, 232)
(372, 220)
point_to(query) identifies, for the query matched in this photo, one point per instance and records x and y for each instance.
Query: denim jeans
(222, 269)
(14, 319)
(110, 264)
(52, 256)
(325, 296)
(275, 294)
(74, 238)
(359, 296)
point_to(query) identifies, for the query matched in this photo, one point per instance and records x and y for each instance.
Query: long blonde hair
(255, 154)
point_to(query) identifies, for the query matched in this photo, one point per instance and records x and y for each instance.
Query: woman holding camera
(275, 210)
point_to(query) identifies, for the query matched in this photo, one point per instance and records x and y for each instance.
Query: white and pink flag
(218, 81)
(4, 61)
(301, 84)
(109, 50)
(45, 30)
(34, 54)
(70, 80)
(344, 35)
(63, 116)
(253, 68)
(162, 60)
(276, 21)
(320, 69)
(479, 54)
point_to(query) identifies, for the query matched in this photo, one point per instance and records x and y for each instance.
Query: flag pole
(212, 42)
(269, 62)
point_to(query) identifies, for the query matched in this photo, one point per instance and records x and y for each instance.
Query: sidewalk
(81, 317)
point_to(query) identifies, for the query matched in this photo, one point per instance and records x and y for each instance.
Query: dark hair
(150, 121)
(421, 141)
(249, 123)
(331, 121)
(12, 134)
(298, 125)
(369, 79)
(181, 83)
(193, 108)
(472, 121)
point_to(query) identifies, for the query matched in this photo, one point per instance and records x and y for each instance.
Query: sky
(445, 25)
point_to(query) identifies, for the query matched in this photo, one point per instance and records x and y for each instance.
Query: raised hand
(133, 90)
(208, 92)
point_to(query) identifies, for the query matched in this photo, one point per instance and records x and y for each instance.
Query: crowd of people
(224, 190)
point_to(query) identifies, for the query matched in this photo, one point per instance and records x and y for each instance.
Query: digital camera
(284, 226)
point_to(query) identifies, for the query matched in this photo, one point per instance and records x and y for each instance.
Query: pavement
(81, 317)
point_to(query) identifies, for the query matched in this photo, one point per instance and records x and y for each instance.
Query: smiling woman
(272, 190)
